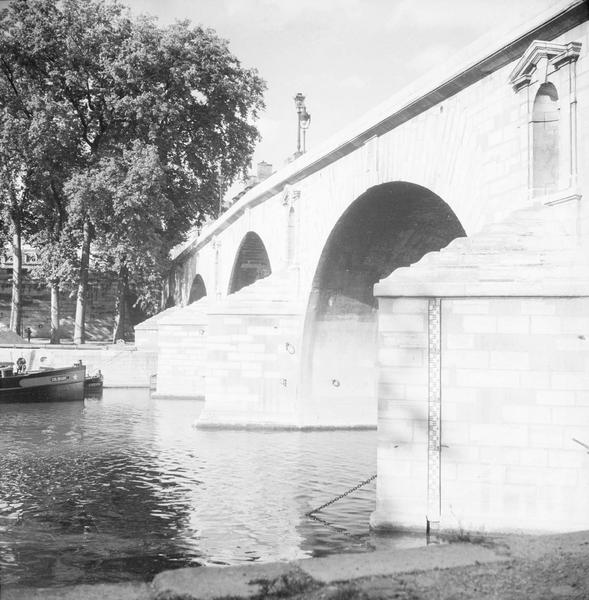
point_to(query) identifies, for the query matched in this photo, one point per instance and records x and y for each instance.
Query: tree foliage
(131, 127)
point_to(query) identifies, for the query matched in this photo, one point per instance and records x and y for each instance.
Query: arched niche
(546, 140)
(251, 263)
(290, 235)
(391, 225)
(198, 289)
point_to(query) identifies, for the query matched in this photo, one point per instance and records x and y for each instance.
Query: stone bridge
(427, 270)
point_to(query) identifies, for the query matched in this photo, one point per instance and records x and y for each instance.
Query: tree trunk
(55, 338)
(16, 306)
(80, 319)
(120, 306)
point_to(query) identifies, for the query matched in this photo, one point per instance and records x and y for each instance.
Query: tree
(15, 173)
(28, 155)
(174, 98)
(197, 107)
(129, 205)
(37, 150)
(54, 154)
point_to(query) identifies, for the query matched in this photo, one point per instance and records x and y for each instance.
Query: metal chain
(356, 487)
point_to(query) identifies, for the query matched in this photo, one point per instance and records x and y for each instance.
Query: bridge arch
(391, 225)
(251, 262)
(198, 289)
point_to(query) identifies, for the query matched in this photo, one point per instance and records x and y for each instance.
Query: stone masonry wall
(402, 414)
(514, 398)
(181, 347)
(250, 376)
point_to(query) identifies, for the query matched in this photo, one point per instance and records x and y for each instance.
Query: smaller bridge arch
(251, 263)
(198, 289)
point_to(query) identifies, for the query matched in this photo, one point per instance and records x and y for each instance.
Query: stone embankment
(123, 365)
(502, 568)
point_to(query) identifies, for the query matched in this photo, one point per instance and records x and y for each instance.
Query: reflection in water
(122, 487)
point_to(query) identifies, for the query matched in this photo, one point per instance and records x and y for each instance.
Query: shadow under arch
(251, 263)
(391, 225)
(198, 289)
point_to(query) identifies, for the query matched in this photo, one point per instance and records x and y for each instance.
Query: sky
(345, 56)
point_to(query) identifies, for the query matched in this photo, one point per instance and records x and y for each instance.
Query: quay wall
(122, 365)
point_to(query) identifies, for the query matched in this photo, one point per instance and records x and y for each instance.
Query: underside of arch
(252, 263)
(390, 226)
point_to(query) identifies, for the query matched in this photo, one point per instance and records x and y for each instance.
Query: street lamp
(303, 122)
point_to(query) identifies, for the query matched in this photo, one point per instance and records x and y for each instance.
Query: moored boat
(93, 383)
(48, 385)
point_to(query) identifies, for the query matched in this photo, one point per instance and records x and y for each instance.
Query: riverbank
(122, 365)
(494, 567)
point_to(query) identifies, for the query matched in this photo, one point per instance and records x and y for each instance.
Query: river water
(122, 487)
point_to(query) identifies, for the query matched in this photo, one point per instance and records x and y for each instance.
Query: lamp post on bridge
(303, 122)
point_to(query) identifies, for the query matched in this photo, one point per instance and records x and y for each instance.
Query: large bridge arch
(251, 262)
(389, 226)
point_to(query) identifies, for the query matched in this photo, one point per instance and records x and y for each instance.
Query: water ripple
(120, 488)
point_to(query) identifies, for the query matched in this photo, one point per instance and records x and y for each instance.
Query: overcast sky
(346, 56)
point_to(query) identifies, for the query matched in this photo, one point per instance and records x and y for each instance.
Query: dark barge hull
(93, 383)
(52, 385)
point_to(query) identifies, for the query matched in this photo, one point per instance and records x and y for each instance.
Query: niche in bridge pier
(198, 289)
(252, 263)
(391, 225)
(290, 236)
(546, 134)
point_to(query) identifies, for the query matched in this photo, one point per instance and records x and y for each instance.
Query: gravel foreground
(466, 567)
(562, 576)
(533, 568)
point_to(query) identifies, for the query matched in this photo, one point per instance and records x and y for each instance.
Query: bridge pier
(483, 408)
(252, 364)
(257, 368)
